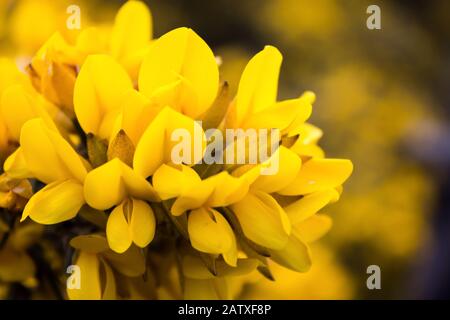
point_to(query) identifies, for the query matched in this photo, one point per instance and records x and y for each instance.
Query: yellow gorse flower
(127, 99)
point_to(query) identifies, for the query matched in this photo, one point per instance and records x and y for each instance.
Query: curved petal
(289, 165)
(295, 255)
(99, 88)
(282, 115)
(263, 220)
(313, 228)
(309, 205)
(137, 186)
(170, 182)
(304, 104)
(227, 190)
(193, 198)
(142, 224)
(56, 202)
(258, 85)
(181, 55)
(47, 155)
(117, 229)
(155, 146)
(137, 114)
(319, 174)
(210, 232)
(132, 29)
(306, 143)
(184, 183)
(10, 74)
(90, 283)
(92, 243)
(109, 184)
(132, 221)
(109, 285)
(308, 133)
(103, 186)
(18, 106)
(16, 167)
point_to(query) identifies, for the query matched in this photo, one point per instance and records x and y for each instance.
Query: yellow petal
(170, 182)
(98, 91)
(137, 186)
(227, 189)
(18, 106)
(181, 55)
(92, 243)
(132, 221)
(309, 205)
(132, 29)
(91, 40)
(9, 74)
(339, 190)
(193, 197)
(47, 155)
(57, 83)
(183, 181)
(90, 283)
(56, 48)
(16, 166)
(259, 84)
(210, 232)
(289, 165)
(263, 220)
(308, 150)
(142, 224)
(305, 107)
(56, 202)
(308, 133)
(309, 96)
(109, 285)
(133, 61)
(109, 184)
(295, 255)
(117, 230)
(281, 115)
(155, 146)
(306, 143)
(319, 174)
(138, 112)
(248, 172)
(313, 228)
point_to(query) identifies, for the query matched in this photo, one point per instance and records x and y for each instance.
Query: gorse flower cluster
(87, 133)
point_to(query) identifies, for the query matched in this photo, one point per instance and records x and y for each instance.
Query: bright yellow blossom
(49, 158)
(97, 130)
